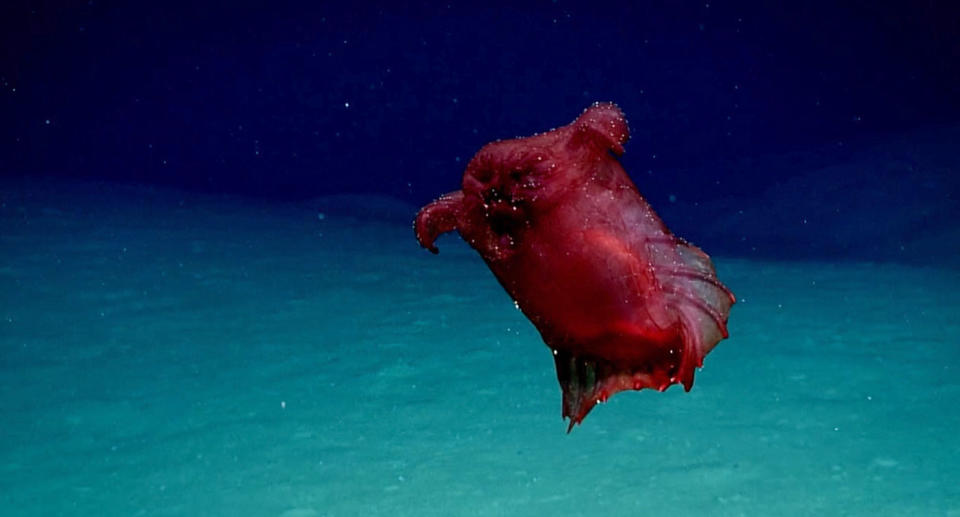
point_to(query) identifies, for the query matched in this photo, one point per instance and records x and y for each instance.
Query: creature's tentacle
(441, 216)
(693, 352)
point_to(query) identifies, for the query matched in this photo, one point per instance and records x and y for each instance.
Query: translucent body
(622, 303)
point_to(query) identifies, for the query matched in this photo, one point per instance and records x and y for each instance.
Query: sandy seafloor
(168, 353)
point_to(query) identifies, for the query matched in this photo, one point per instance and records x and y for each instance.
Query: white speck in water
(885, 462)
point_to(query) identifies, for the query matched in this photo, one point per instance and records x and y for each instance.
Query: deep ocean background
(292, 101)
(212, 303)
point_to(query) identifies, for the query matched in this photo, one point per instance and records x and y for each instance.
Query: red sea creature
(622, 302)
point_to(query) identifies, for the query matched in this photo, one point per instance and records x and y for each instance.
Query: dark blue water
(212, 303)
